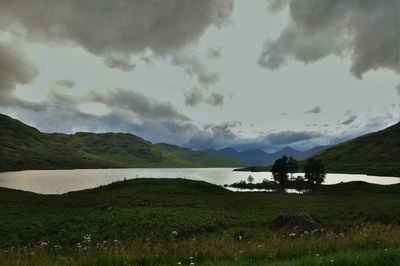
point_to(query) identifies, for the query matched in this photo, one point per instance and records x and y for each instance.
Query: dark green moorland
(23, 147)
(184, 222)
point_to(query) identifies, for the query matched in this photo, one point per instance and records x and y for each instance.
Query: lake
(62, 181)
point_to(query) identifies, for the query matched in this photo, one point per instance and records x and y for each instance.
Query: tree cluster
(314, 171)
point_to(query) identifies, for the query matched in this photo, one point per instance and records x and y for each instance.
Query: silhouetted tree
(314, 171)
(280, 171)
(250, 179)
(292, 166)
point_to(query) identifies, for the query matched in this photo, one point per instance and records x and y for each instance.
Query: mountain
(375, 154)
(262, 158)
(24, 147)
(199, 157)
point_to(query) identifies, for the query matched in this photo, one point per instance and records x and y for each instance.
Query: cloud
(290, 137)
(365, 31)
(194, 67)
(315, 110)
(349, 119)
(398, 89)
(106, 28)
(214, 52)
(139, 105)
(67, 83)
(119, 62)
(195, 96)
(15, 69)
(277, 5)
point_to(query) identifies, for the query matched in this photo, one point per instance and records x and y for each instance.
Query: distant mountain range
(262, 158)
(23, 147)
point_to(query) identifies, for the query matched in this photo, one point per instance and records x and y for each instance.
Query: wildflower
(175, 233)
(332, 261)
(240, 238)
(317, 255)
(192, 263)
(179, 263)
(292, 234)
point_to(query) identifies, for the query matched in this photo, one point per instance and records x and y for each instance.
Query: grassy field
(183, 222)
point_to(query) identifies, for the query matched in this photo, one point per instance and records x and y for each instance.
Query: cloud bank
(115, 30)
(365, 31)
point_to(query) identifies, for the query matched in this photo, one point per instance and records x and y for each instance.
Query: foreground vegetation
(166, 221)
(23, 147)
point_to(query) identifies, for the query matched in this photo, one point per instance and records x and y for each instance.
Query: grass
(164, 221)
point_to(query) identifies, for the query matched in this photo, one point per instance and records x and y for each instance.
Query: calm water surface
(62, 181)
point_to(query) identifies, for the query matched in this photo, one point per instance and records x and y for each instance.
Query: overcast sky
(203, 74)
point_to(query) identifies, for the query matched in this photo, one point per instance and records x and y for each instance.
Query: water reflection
(62, 181)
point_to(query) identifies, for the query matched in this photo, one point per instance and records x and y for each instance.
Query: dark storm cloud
(366, 31)
(196, 96)
(67, 83)
(315, 110)
(106, 28)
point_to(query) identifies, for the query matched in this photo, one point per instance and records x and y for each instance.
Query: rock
(292, 219)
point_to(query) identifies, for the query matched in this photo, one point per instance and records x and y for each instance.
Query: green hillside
(159, 222)
(374, 154)
(24, 147)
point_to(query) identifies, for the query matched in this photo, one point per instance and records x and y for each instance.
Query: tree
(292, 166)
(314, 171)
(280, 171)
(250, 179)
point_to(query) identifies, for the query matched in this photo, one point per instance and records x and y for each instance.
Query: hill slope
(375, 154)
(23, 147)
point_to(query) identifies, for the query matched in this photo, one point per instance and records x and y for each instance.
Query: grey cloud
(67, 83)
(214, 52)
(366, 31)
(140, 105)
(15, 69)
(127, 27)
(194, 67)
(215, 99)
(290, 137)
(277, 5)
(315, 110)
(119, 62)
(195, 96)
(348, 120)
(398, 89)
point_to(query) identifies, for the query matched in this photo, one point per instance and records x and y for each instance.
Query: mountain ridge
(23, 147)
(255, 157)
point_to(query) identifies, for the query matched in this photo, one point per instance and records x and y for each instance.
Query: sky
(258, 74)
